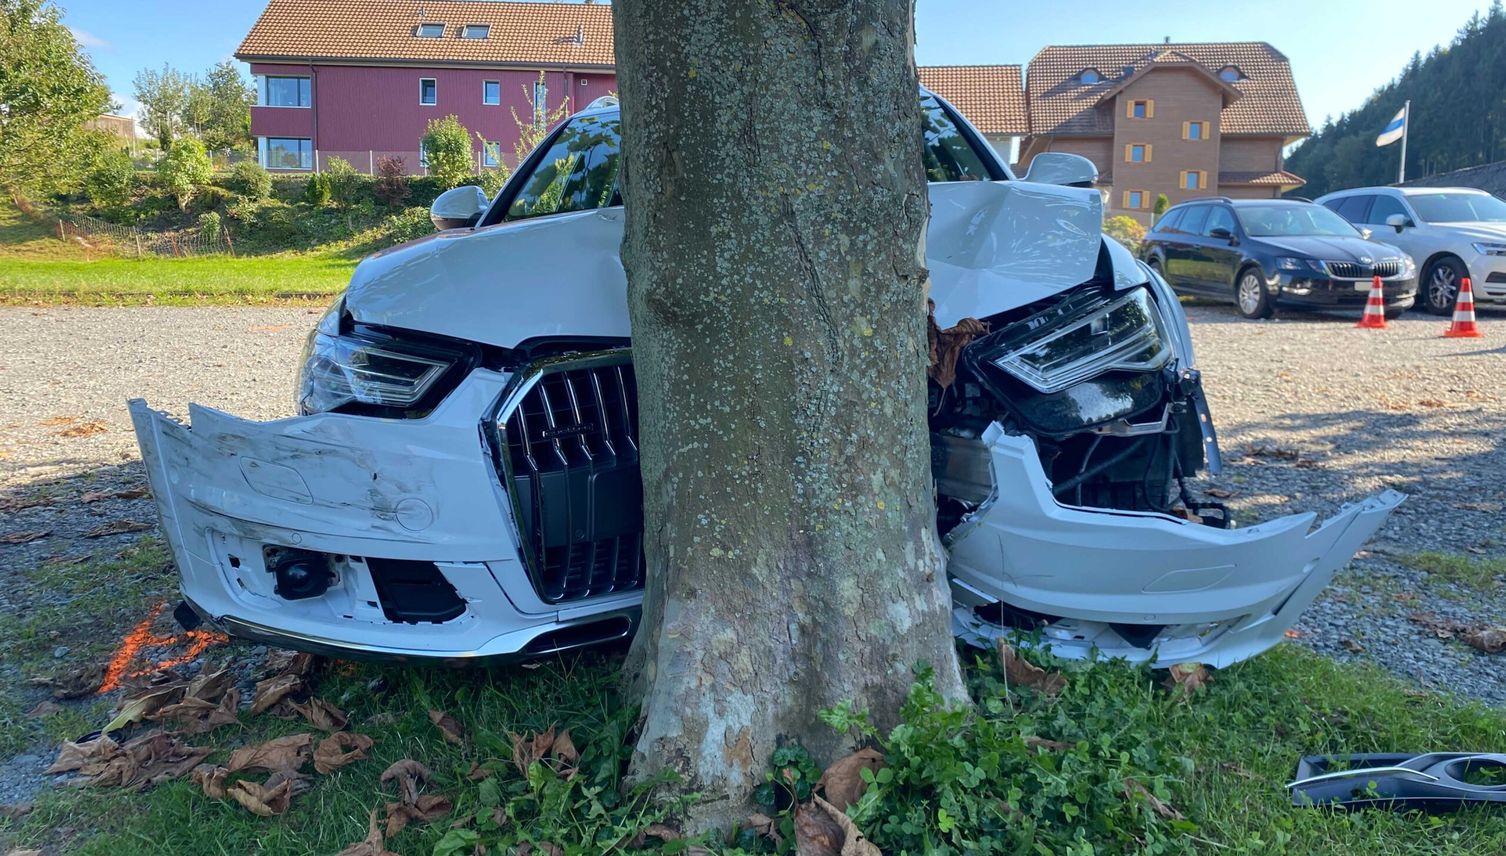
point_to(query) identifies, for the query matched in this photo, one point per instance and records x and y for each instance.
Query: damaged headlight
(382, 375)
(1085, 337)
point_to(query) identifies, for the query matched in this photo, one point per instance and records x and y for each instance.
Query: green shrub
(184, 170)
(343, 181)
(251, 180)
(447, 144)
(1126, 230)
(409, 225)
(111, 183)
(210, 226)
(319, 190)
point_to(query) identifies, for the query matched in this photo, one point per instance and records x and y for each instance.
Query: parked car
(1452, 232)
(462, 479)
(1265, 253)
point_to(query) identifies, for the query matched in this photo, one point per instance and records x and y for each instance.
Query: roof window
(476, 31)
(429, 31)
(1231, 74)
(1089, 75)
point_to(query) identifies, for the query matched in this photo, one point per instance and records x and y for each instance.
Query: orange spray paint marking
(142, 637)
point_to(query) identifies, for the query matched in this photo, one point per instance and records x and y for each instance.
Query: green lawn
(209, 279)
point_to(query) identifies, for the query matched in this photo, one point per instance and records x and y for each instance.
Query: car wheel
(1440, 286)
(1251, 297)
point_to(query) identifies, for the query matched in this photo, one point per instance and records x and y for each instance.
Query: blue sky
(1341, 50)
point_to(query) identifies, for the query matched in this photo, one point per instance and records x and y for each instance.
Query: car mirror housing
(1399, 222)
(1061, 168)
(1221, 233)
(458, 208)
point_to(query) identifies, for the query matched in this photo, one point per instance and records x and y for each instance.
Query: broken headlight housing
(367, 371)
(1084, 336)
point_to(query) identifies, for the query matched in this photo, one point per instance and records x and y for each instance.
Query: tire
(1251, 297)
(1439, 289)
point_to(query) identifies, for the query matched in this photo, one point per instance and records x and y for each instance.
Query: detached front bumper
(1141, 586)
(398, 509)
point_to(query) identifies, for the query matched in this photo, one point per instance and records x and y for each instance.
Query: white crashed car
(462, 480)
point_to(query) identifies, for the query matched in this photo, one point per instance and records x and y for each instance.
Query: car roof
(1238, 203)
(1404, 191)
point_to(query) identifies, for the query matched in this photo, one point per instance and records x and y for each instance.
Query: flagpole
(1406, 126)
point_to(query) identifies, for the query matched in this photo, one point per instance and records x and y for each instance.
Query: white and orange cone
(1464, 326)
(1375, 308)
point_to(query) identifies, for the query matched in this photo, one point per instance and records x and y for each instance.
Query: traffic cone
(1375, 308)
(1464, 326)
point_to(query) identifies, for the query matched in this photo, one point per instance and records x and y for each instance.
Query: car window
(1193, 220)
(577, 173)
(1276, 220)
(1169, 220)
(948, 156)
(1219, 218)
(1384, 207)
(1458, 207)
(1354, 208)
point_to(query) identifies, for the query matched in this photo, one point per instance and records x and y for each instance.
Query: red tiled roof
(1279, 178)
(532, 34)
(1269, 103)
(990, 96)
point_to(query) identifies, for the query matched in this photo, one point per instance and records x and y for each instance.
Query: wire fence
(138, 243)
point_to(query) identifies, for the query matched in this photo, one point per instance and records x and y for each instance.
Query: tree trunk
(774, 251)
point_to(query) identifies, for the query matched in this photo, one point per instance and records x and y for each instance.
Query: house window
(423, 155)
(429, 31)
(1195, 131)
(1231, 74)
(491, 92)
(428, 91)
(489, 153)
(1137, 200)
(1194, 179)
(276, 91)
(1089, 75)
(286, 152)
(1137, 153)
(1145, 109)
(540, 101)
(475, 31)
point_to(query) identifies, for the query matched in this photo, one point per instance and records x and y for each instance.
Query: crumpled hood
(1334, 249)
(992, 246)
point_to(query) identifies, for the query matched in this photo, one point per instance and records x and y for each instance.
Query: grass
(1220, 759)
(37, 268)
(1479, 573)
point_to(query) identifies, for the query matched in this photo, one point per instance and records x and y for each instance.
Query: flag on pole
(1394, 131)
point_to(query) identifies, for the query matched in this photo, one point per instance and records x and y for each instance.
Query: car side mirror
(458, 208)
(1399, 222)
(1221, 233)
(1062, 168)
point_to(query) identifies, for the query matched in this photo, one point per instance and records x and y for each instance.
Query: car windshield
(1458, 207)
(1271, 221)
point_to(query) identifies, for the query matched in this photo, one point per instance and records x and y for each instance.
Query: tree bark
(776, 213)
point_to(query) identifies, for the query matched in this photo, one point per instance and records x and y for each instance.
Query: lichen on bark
(776, 210)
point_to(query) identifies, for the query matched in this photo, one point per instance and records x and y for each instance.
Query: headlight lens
(1490, 249)
(1294, 263)
(1122, 333)
(342, 369)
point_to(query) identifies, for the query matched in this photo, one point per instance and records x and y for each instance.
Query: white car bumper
(1488, 277)
(357, 489)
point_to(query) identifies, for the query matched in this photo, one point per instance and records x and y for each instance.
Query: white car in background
(462, 479)
(1451, 232)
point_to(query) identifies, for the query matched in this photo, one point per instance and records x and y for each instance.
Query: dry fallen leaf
(118, 527)
(284, 662)
(320, 713)
(330, 754)
(564, 749)
(12, 812)
(427, 808)
(1134, 789)
(409, 775)
(1491, 640)
(263, 800)
(816, 832)
(211, 780)
(84, 429)
(149, 759)
(448, 727)
(102, 495)
(45, 709)
(526, 750)
(75, 683)
(145, 705)
(273, 690)
(843, 781)
(1040, 743)
(1026, 674)
(373, 845)
(284, 753)
(1185, 678)
(853, 843)
(1352, 646)
(765, 827)
(198, 716)
(1220, 493)
(25, 537)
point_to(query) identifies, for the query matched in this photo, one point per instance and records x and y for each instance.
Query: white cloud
(89, 40)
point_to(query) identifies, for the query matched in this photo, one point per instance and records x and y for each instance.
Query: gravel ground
(1312, 413)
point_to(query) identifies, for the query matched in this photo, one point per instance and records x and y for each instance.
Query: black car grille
(1354, 270)
(570, 445)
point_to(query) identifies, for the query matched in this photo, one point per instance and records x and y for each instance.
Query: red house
(360, 80)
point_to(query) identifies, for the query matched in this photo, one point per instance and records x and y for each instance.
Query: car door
(1182, 247)
(1405, 238)
(1219, 254)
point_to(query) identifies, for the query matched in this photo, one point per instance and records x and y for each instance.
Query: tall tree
(48, 90)
(774, 253)
(223, 103)
(164, 98)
